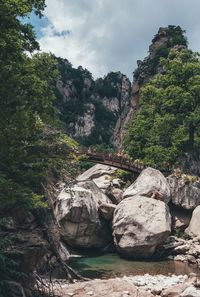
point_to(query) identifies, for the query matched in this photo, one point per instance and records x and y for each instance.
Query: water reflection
(111, 265)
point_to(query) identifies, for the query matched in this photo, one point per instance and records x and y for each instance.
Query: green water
(111, 265)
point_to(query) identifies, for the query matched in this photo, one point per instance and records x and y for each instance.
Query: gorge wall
(97, 111)
(89, 109)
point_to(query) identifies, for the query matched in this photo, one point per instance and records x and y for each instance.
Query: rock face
(150, 183)
(77, 213)
(184, 193)
(107, 210)
(194, 226)
(190, 163)
(140, 224)
(28, 243)
(84, 123)
(27, 246)
(90, 108)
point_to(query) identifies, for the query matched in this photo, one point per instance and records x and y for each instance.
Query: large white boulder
(150, 183)
(184, 193)
(140, 225)
(103, 177)
(194, 227)
(100, 174)
(77, 211)
(107, 210)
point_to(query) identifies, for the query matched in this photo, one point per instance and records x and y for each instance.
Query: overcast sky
(111, 35)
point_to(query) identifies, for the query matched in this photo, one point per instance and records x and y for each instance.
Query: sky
(111, 35)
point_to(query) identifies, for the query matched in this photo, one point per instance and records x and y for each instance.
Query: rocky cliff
(90, 108)
(97, 111)
(163, 41)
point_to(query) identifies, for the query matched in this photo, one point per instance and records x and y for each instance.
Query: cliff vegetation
(166, 124)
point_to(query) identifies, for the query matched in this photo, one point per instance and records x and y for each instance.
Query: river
(111, 265)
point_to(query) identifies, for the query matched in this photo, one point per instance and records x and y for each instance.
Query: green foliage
(162, 51)
(177, 36)
(167, 123)
(124, 175)
(85, 165)
(29, 145)
(108, 86)
(102, 147)
(15, 36)
(26, 104)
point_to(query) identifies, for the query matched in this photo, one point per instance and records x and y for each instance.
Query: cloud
(112, 35)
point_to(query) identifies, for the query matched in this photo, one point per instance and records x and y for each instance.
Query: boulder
(174, 291)
(117, 183)
(77, 213)
(107, 210)
(113, 287)
(140, 225)
(181, 258)
(191, 291)
(181, 249)
(184, 193)
(103, 182)
(194, 250)
(100, 174)
(191, 259)
(194, 226)
(117, 195)
(180, 217)
(150, 183)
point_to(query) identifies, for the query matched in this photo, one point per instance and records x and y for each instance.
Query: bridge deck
(116, 160)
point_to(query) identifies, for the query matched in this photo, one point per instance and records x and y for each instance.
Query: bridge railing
(117, 159)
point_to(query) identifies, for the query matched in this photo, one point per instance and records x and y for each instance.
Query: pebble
(160, 285)
(156, 283)
(90, 293)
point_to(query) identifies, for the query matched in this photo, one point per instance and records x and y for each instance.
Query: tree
(166, 125)
(26, 108)
(30, 143)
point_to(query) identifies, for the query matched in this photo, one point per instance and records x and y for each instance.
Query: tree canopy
(166, 126)
(29, 142)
